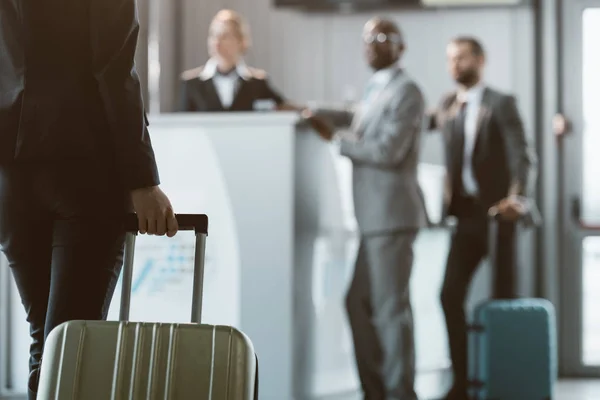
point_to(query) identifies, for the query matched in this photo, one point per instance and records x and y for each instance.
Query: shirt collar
(384, 75)
(473, 94)
(210, 69)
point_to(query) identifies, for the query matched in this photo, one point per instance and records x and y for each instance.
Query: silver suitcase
(102, 360)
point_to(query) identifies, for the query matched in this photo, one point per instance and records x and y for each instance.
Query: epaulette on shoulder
(258, 73)
(192, 73)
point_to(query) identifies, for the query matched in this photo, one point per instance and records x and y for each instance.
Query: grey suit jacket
(504, 163)
(387, 196)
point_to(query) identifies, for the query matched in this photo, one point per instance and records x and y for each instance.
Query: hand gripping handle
(191, 222)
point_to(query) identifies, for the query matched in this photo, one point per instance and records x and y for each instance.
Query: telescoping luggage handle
(476, 330)
(476, 384)
(196, 222)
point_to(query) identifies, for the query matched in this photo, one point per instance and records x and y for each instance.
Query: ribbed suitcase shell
(513, 350)
(94, 360)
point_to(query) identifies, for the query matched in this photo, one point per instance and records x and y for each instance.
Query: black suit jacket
(200, 95)
(503, 161)
(68, 86)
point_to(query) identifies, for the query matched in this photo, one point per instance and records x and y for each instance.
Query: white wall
(317, 56)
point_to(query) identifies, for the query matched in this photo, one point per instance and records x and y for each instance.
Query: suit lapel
(241, 93)
(378, 102)
(484, 110)
(212, 97)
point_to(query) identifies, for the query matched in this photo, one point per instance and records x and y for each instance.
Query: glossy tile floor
(566, 390)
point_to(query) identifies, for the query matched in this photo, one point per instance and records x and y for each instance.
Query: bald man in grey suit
(383, 144)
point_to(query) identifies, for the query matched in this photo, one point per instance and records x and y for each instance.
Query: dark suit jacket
(503, 161)
(200, 95)
(68, 86)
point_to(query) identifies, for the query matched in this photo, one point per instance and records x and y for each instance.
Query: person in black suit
(225, 82)
(490, 165)
(75, 157)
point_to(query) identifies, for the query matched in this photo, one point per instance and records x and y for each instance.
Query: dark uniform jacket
(199, 93)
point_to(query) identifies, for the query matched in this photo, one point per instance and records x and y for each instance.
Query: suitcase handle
(196, 222)
(186, 222)
(531, 217)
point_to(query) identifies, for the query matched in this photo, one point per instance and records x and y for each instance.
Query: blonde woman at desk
(225, 82)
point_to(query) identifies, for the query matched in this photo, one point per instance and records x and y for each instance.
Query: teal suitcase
(512, 345)
(512, 350)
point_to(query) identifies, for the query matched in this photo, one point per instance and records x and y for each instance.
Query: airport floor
(566, 390)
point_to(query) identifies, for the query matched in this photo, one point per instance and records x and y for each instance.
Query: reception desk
(238, 169)
(281, 247)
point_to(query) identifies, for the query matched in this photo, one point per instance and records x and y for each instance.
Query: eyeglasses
(382, 38)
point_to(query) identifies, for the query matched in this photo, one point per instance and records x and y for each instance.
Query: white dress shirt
(472, 97)
(225, 85)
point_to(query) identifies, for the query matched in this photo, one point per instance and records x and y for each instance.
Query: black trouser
(61, 230)
(468, 248)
